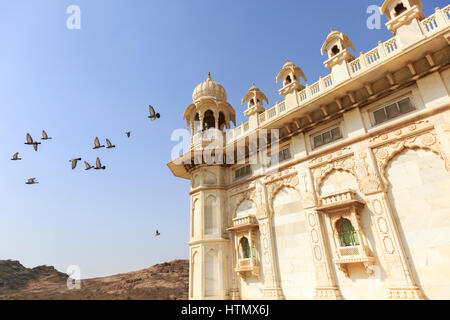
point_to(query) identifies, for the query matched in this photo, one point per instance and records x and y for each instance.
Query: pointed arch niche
(418, 193)
(245, 231)
(342, 208)
(212, 274)
(292, 244)
(211, 219)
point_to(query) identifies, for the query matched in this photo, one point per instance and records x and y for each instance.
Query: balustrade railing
(437, 21)
(430, 24)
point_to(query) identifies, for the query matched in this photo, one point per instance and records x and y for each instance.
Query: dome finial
(209, 75)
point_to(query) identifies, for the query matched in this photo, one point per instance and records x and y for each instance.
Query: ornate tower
(255, 99)
(290, 74)
(404, 19)
(210, 248)
(336, 46)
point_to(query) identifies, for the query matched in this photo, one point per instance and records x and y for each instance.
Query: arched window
(399, 9)
(252, 102)
(208, 120)
(335, 50)
(197, 124)
(288, 80)
(245, 246)
(210, 216)
(347, 234)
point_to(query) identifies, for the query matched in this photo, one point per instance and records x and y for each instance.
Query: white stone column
(272, 289)
(401, 284)
(326, 287)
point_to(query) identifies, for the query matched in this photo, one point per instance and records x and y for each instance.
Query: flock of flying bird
(98, 165)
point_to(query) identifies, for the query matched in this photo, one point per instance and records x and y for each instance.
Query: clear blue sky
(98, 81)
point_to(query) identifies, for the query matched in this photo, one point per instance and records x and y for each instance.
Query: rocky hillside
(167, 281)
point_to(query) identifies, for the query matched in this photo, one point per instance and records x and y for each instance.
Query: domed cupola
(336, 46)
(255, 99)
(209, 89)
(290, 74)
(210, 109)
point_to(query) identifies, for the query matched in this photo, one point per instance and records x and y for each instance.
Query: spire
(209, 75)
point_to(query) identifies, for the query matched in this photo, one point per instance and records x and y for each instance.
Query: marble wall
(419, 195)
(293, 246)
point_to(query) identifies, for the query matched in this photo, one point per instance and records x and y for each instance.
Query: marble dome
(209, 89)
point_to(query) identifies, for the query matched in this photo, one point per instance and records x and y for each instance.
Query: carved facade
(357, 207)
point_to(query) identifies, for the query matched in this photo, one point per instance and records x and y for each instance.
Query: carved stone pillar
(401, 284)
(234, 292)
(192, 131)
(272, 289)
(326, 287)
(216, 120)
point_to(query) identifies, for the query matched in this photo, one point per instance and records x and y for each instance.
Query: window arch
(335, 50)
(347, 234)
(211, 222)
(209, 120)
(399, 9)
(222, 121)
(197, 124)
(288, 80)
(245, 248)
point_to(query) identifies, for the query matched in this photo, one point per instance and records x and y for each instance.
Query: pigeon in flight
(98, 165)
(45, 136)
(31, 142)
(157, 233)
(16, 157)
(128, 134)
(153, 115)
(88, 166)
(97, 144)
(74, 162)
(31, 181)
(110, 145)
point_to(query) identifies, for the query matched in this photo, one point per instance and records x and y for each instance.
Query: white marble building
(356, 201)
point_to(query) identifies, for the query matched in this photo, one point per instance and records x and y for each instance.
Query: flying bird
(98, 165)
(45, 136)
(110, 145)
(153, 115)
(88, 166)
(31, 142)
(128, 134)
(97, 144)
(31, 181)
(16, 157)
(157, 233)
(74, 162)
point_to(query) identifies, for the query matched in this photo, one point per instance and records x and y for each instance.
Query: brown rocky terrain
(166, 281)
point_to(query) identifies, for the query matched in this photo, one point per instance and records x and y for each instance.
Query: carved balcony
(340, 200)
(244, 223)
(354, 255)
(248, 268)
